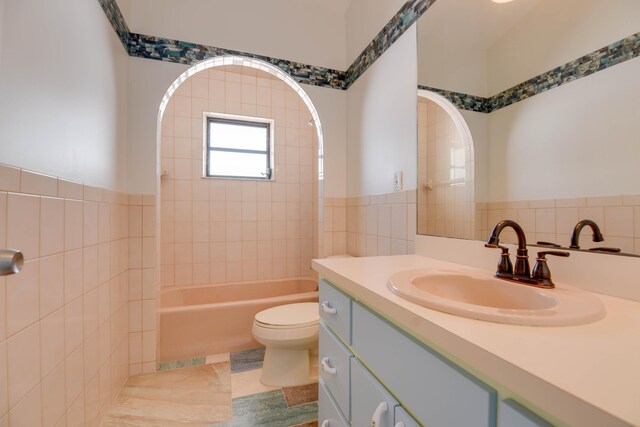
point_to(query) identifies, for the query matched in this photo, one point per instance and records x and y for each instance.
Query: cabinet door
(335, 310)
(329, 414)
(437, 391)
(371, 403)
(403, 419)
(334, 368)
(512, 414)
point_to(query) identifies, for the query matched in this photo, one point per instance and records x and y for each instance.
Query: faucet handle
(504, 266)
(541, 271)
(543, 254)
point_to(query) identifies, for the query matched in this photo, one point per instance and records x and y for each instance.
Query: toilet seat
(290, 316)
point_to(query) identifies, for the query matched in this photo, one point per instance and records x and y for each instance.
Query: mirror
(530, 110)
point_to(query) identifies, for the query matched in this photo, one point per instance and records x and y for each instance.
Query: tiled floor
(270, 409)
(192, 396)
(222, 390)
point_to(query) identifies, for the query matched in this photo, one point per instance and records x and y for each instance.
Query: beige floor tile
(247, 383)
(193, 396)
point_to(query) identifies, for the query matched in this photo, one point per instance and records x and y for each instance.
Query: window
(238, 147)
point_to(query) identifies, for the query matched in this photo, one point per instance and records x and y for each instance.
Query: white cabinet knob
(324, 364)
(376, 419)
(325, 423)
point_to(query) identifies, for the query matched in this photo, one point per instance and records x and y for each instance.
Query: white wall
(63, 84)
(580, 139)
(382, 121)
(556, 32)
(365, 19)
(307, 32)
(332, 109)
(148, 82)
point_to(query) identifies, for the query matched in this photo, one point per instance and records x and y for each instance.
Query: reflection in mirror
(548, 90)
(445, 169)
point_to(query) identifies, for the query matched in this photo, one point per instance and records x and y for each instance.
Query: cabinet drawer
(427, 384)
(367, 396)
(334, 368)
(403, 417)
(335, 310)
(329, 414)
(512, 414)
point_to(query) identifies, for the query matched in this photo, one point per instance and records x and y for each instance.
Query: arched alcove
(216, 231)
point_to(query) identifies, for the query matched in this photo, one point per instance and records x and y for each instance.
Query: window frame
(262, 122)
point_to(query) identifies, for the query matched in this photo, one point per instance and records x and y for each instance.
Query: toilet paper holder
(11, 261)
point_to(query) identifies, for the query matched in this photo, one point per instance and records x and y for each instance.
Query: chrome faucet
(575, 236)
(520, 273)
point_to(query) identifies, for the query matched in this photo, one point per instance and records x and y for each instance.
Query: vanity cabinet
(512, 414)
(428, 384)
(360, 351)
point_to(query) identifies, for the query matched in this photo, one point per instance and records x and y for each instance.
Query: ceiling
(476, 24)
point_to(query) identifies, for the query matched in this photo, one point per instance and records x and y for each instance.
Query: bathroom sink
(479, 295)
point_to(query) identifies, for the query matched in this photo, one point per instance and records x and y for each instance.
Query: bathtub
(205, 320)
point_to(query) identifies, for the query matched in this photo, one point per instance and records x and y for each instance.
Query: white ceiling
(334, 6)
(476, 24)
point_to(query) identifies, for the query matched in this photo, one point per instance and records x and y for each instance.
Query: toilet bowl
(290, 335)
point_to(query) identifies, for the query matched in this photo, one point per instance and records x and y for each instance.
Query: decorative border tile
(181, 52)
(114, 15)
(462, 100)
(608, 56)
(601, 59)
(401, 21)
(144, 46)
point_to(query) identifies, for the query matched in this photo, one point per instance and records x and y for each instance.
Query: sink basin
(479, 295)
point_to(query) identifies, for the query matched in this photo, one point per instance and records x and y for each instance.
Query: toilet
(290, 335)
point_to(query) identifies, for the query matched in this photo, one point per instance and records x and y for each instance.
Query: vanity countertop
(587, 375)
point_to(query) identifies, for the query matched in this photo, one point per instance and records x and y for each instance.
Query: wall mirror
(530, 110)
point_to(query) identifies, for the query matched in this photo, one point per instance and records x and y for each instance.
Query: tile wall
(219, 231)
(553, 220)
(383, 224)
(143, 284)
(64, 320)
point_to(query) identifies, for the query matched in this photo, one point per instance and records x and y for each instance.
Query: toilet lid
(290, 315)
